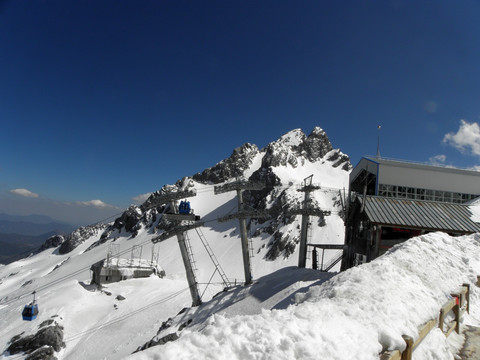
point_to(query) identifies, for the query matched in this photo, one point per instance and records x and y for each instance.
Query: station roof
(418, 214)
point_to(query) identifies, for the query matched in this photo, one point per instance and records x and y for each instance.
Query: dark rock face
(79, 236)
(163, 340)
(132, 220)
(52, 242)
(338, 159)
(50, 337)
(317, 145)
(44, 353)
(229, 168)
(129, 219)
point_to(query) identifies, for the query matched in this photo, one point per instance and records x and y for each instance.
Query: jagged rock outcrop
(79, 236)
(52, 242)
(160, 340)
(317, 145)
(294, 148)
(234, 166)
(338, 158)
(129, 219)
(41, 345)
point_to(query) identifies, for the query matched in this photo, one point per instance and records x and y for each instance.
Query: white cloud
(438, 159)
(466, 139)
(24, 192)
(140, 199)
(95, 203)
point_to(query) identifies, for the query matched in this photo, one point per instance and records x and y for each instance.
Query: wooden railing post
(467, 296)
(456, 312)
(407, 353)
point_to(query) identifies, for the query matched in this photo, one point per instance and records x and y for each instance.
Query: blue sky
(108, 100)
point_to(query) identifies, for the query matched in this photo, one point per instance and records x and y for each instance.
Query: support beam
(236, 185)
(245, 214)
(244, 238)
(181, 217)
(166, 198)
(192, 281)
(168, 234)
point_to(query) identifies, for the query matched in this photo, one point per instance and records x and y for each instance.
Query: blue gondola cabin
(30, 311)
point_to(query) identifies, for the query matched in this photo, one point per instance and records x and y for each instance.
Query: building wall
(430, 178)
(428, 181)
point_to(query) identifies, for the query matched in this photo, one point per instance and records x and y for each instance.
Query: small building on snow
(115, 270)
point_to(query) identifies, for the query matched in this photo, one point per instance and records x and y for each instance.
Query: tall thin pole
(192, 281)
(187, 263)
(244, 238)
(378, 142)
(302, 255)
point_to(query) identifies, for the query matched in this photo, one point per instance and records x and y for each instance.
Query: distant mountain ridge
(32, 225)
(20, 235)
(32, 218)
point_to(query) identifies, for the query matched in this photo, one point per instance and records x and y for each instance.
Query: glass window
(420, 194)
(456, 198)
(402, 192)
(410, 193)
(429, 195)
(382, 190)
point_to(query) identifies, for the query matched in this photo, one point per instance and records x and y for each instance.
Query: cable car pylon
(306, 211)
(241, 215)
(179, 230)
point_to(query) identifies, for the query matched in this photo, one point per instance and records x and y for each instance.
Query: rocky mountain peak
(317, 144)
(295, 147)
(233, 166)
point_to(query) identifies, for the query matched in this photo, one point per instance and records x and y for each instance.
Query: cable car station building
(392, 201)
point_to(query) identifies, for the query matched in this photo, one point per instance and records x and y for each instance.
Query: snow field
(97, 325)
(356, 314)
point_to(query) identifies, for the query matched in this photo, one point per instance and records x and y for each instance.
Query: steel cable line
(124, 317)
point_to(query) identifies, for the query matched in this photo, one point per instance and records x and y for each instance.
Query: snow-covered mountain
(60, 272)
(83, 321)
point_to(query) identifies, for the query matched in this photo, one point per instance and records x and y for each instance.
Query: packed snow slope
(353, 315)
(97, 323)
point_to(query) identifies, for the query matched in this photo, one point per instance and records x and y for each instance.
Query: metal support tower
(239, 186)
(306, 211)
(179, 230)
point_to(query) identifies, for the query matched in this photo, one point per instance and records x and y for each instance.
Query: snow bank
(475, 209)
(356, 314)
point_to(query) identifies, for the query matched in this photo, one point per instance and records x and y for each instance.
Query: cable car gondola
(30, 311)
